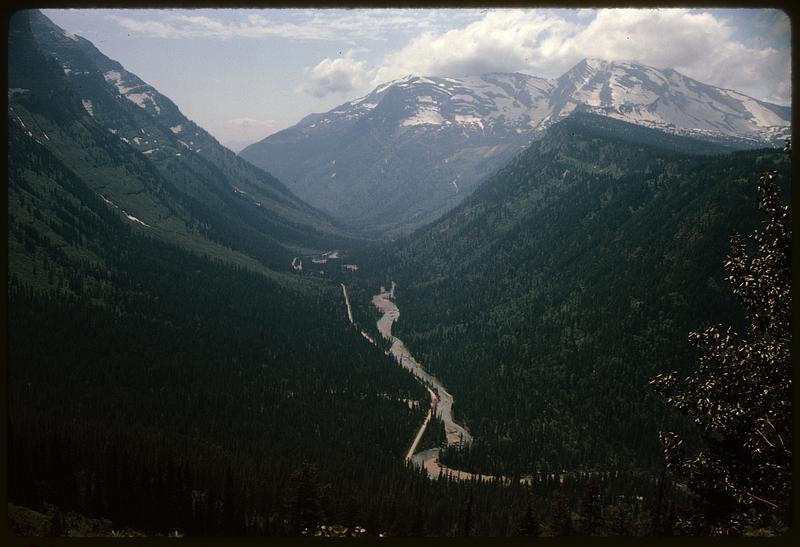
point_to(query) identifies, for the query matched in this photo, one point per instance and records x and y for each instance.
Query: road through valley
(441, 399)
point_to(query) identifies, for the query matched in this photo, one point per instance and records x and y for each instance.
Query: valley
(441, 399)
(593, 270)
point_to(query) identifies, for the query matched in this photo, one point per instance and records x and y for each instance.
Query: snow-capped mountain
(414, 147)
(493, 102)
(409, 150)
(668, 100)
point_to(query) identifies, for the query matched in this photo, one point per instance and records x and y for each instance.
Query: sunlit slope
(145, 159)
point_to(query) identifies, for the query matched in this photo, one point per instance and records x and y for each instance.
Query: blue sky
(244, 74)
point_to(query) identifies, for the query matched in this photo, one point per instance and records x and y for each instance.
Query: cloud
(339, 75)
(696, 43)
(155, 29)
(501, 41)
(334, 25)
(699, 43)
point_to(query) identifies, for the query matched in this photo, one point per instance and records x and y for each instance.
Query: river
(441, 399)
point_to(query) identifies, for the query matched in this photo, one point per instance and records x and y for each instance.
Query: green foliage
(304, 504)
(740, 394)
(24, 521)
(561, 521)
(188, 388)
(155, 379)
(553, 294)
(203, 198)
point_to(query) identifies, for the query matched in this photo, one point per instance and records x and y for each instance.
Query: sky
(244, 74)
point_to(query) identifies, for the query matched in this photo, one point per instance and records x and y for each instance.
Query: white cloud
(698, 44)
(155, 29)
(339, 75)
(337, 25)
(501, 41)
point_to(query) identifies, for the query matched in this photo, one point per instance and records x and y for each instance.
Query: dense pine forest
(610, 310)
(247, 404)
(519, 326)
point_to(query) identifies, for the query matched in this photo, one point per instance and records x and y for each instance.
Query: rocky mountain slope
(147, 162)
(414, 147)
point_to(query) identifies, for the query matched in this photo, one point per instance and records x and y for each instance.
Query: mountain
(668, 100)
(162, 372)
(415, 147)
(146, 160)
(549, 297)
(408, 151)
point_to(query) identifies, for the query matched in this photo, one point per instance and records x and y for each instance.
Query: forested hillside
(163, 378)
(172, 372)
(550, 297)
(147, 161)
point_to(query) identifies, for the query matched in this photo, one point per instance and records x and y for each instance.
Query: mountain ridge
(145, 159)
(409, 150)
(550, 295)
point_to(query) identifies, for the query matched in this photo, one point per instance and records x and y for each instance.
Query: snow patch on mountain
(763, 117)
(113, 76)
(140, 98)
(134, 219)
(469, 126)
(469, 119)
(425, 115)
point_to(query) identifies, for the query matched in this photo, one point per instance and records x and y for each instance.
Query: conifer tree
(305, 499)
(561, 517)
(740, 394)
(590, 513)
(528, 525)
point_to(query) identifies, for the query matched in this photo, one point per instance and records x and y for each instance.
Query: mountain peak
(595, 63)
(432, 124)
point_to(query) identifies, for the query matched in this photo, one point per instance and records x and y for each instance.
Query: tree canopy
(740, 394)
